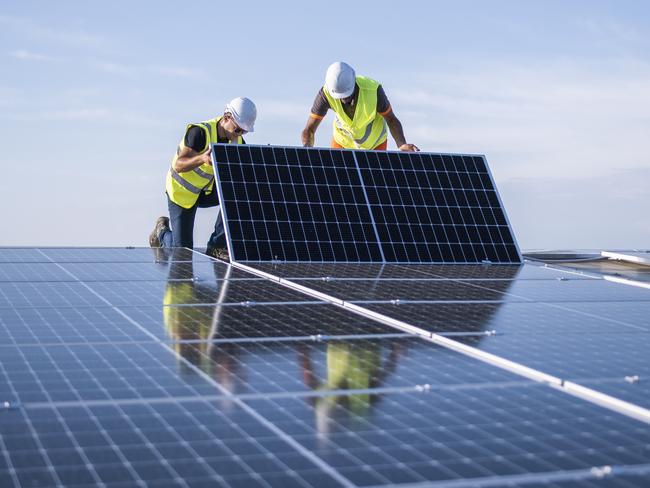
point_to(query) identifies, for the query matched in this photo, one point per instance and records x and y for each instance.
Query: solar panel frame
(240, 239)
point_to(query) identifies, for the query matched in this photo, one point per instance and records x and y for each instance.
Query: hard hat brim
(339, 95)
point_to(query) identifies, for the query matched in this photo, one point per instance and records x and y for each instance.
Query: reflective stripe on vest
(184, 183)
(184, 188)
(367, 129)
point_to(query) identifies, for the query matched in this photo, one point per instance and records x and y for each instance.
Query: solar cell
(181, 293)
(574, 356)
(21, 255)
(58, 325)
(414, 271)
(569, 290)
(324, 205)
(31, 272)
(519, 318)
(47, 294)
(263, 321)
(635, 314)
(65, 372)
(119, 255)
(411, 290)
(162, 270)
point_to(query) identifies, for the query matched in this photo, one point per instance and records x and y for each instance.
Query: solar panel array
(331, 205)
(141, 367)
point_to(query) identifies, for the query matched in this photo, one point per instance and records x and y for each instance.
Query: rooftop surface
(125, 367)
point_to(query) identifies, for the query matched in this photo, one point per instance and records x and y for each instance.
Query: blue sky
(94, 97)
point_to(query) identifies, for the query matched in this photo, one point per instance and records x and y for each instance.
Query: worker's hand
(206, 157)
(409, 148)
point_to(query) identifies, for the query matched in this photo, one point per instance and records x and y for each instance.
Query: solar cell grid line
(495, 210)
(11, 476)
(345, 230)
(324, 467)
(53, 475)
(423, 254)
(323, 207)
(392, 178)
(620, 406)
(466, 432)
(385, 179)
(466, 207)
(64, 325)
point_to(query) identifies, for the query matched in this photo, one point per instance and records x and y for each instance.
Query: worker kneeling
(190, 180)
(362, 112)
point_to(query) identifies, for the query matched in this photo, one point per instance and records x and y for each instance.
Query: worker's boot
(218, 252)
(162, 225)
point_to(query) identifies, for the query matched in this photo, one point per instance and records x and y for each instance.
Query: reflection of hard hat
(243, 111)
(340, 80)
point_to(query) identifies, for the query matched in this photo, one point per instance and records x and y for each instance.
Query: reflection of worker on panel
(194, 328)
(351, 365)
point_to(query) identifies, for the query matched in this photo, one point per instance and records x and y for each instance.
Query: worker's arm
(310, 129)
(397, 132)
(188, 159)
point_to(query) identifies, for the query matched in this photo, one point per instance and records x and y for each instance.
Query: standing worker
(362, 112)
(190, 179)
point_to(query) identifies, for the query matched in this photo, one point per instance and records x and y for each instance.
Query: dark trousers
(182, 223)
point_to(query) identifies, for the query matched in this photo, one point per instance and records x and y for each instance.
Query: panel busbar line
(291, 204)
(436, 208)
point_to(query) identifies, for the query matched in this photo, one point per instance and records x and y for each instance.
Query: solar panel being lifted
(292, 204)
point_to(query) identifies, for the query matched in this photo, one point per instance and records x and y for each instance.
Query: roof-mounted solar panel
(292, 204)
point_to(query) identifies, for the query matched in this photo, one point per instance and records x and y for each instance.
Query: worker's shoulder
(368, 81)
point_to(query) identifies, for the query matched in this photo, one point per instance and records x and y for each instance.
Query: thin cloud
(97, 115)
(32, 56)
(536, 120)
(33, 30)
(140, 71)
(611, 31)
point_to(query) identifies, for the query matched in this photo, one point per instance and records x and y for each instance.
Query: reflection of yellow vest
(367, 129)
(183, 322)
(184, 188)
(352, 368)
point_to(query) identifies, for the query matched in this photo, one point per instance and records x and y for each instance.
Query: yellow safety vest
(184, 188)
(367, 129)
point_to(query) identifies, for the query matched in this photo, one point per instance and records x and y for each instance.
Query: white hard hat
(340, 80)
(244, 112)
